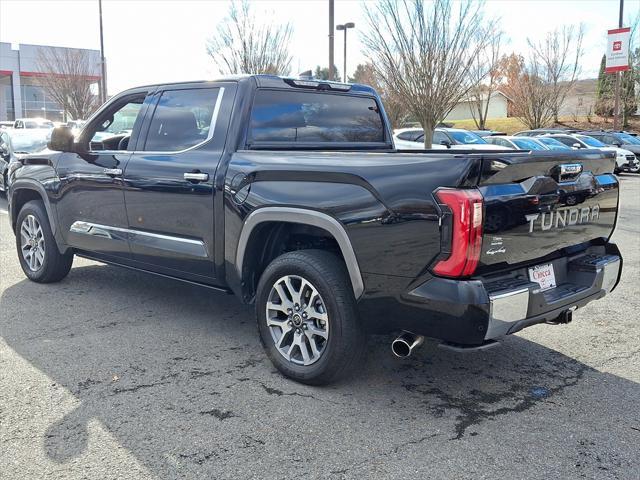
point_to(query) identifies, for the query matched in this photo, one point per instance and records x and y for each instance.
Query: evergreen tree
(322, 73)
(605, 91)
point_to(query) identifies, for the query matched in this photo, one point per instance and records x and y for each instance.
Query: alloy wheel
(32, 243)
(297, 319)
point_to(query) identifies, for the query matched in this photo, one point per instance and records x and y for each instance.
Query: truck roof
(273, 81)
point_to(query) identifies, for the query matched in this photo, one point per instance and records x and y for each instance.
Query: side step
(456, 347)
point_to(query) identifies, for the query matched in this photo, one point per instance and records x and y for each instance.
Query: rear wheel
(307, 317)
(40, 259)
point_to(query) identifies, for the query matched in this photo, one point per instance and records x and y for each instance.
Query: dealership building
(20, 92)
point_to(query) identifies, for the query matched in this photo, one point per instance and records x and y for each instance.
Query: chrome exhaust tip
(404, 345)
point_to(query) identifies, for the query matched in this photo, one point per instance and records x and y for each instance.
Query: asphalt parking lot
(112, 374)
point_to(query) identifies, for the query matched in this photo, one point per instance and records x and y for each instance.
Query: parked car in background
(544, 131)
(455, 138)
(488, 133)
(411, 139)
(517, 143)
(552, 143)
(623, 140)
(14, 144)
(32, 123)
(626, 161)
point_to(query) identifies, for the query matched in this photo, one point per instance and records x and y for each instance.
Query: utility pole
(103, 79)
(331, 72)
(345, 27)
(616, 104)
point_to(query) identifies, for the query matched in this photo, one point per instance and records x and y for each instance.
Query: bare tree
(532, 97)
(67, 76)
(486, 76)
(424, 53)
(558, 61)
(242, 44)
(394, 106)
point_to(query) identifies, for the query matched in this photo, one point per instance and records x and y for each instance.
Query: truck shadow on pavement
(177, 374)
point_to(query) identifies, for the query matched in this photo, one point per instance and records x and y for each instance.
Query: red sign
(617, 50)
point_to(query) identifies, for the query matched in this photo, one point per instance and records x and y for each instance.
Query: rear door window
(182, 119)
(309, 117)
(439, 137)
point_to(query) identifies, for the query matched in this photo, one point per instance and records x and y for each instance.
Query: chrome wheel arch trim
(306, 217)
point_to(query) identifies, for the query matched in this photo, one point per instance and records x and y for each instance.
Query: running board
(456, 347)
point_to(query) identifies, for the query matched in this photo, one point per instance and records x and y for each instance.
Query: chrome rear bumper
(518, 303)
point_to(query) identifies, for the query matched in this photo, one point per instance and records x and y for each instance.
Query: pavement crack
(219, 414)
(135, 388)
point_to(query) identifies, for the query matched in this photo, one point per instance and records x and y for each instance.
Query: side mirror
(617, 144)
(61, 140)
(576, 145)
(446, 143)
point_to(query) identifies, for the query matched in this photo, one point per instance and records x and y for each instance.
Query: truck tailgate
(536, 203)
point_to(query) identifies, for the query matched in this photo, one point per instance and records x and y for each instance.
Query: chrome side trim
(185, 246)
(307, 217)
(505, 308)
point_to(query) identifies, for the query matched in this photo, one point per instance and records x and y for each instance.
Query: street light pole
(103, 80)
(345, 27)
(331, 72)
(616, 101)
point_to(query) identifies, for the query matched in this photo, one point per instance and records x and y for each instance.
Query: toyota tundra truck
(289, 193)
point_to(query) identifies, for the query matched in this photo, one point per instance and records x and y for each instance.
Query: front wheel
(307, 317)
(40, 259)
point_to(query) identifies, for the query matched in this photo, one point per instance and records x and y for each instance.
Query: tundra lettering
(563, 217)
(290, 194)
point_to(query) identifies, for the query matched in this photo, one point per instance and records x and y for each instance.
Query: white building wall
(497, 109)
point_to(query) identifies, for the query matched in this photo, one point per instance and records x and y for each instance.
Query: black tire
(345, 346)
(55, 266)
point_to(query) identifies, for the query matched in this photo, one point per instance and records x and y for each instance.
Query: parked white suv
(33, 123)
(625, 159)
(443, 138)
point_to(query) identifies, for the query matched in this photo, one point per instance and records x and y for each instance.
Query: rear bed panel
(543, 207)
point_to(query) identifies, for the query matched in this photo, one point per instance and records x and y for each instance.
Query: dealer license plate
(544, 276)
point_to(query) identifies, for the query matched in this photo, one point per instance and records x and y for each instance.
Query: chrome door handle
(114, 172)
(196, 177)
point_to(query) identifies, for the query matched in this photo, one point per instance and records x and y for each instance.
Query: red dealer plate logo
(544, 276)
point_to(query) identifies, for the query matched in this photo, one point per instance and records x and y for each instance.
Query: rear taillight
(466, 232)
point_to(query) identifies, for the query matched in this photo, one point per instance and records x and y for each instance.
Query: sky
(154, 41)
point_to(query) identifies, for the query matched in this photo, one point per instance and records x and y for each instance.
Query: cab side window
(112, 130)
(182, 119)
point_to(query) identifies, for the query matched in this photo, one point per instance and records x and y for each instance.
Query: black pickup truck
(289, 193)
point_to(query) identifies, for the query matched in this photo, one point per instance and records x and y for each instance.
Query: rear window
(306, 117)
(411, 135)
(527, 144)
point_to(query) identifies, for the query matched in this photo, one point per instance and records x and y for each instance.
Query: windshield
(554, 144)
(527, 144)
(592, 142)
(629, 139)
(28, 144)
(468, 138)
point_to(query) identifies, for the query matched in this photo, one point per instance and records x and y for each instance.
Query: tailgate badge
(567, 171)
